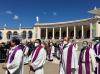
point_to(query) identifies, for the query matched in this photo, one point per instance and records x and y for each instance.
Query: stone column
(74, 32)
(46, 34)
(82, 32)
(53, 36)
(60, 33)
(34, 34)
(39, 34)
(4, 33)
(98, 29)
(4, 37)
(67, 31)
(90, 30)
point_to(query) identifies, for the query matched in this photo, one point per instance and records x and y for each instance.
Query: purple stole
(13, 54)
(37, 50)
(87, 63)
(69, 59)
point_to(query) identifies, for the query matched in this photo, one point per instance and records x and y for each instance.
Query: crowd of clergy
(72, 59)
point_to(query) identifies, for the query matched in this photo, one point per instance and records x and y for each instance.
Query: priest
(87, 62)
(69, 63)
(97, 52)
(37, 58)
(14, 59)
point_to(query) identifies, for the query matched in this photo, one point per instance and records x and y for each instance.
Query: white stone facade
(77, 29)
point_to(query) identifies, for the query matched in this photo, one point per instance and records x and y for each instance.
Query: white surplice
(39, 62)
(98, 57)
(74, 63)
(91, 60)
(16, 66)
(26, 54)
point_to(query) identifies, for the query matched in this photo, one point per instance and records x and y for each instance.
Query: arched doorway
(9, 34)
(24, 35)
(15, 33)
(30, 34)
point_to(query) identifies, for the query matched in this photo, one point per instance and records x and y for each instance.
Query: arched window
(15, 33)
(30, 34)
(24, 35)
(1, 35)
(9, 34)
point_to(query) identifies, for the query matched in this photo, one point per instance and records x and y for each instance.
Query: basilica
(82, 29)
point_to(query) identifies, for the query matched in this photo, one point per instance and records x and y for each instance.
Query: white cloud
(54, 13)
(9, 12)
(16, 17)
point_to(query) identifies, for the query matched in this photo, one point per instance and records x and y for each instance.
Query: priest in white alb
(37, 58)
(69, 60)
(97, 52)
(14, 63)
(87, 62)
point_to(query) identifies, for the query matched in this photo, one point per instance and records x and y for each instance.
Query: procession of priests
(72, 59)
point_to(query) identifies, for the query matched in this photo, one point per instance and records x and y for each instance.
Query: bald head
(66, 39)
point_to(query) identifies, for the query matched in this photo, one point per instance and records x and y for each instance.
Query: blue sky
(14, 12)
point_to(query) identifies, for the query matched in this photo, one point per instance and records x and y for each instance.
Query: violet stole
(87, 63)
(37, 52)
(80, 63)
(69, 59)
(13, 54)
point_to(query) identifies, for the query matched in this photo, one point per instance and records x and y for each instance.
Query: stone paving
(49, 68)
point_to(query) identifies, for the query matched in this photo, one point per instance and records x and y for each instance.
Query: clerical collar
(14, 47)
(84, 48)
(66, 45)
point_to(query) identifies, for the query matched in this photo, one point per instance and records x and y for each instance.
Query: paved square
(49, 68)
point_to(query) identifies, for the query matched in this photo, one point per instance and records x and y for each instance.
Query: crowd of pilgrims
(72, 58)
